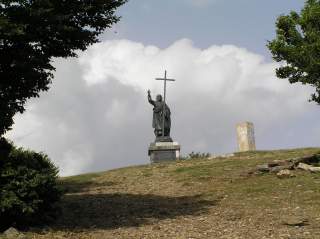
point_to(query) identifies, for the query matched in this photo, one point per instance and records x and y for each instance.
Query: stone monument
(246, 140)
(163, 149)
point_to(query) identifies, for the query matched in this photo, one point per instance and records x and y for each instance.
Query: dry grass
(198, 198)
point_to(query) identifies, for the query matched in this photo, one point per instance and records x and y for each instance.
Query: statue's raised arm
(149, 98)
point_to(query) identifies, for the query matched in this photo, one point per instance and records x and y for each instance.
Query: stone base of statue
(163, 139)
(164, 151)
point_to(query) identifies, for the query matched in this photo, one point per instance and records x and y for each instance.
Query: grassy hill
(200, 198)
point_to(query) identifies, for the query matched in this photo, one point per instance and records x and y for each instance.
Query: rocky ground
(199, 198)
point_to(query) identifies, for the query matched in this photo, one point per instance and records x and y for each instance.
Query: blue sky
(99, 117)
(244, 23)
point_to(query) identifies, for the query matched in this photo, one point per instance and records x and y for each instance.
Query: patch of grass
(196, 171)
(278, 154)
(186, 199)
(79, 183)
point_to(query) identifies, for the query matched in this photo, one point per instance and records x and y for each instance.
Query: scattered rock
(273, 168)
(284, 166)
(308, 167)
(306, 159)
(277, 169)
(296, 222)
(304, 166)
(285, 173)
(274, 164)
(315, 169)
(280, 163)
(263, 168)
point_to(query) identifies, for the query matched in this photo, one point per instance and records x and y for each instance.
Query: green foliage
(28, 184)
(32, 33)
(297, 45)
(196, 155)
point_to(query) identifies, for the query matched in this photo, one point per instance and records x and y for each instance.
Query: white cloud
(222, 73)
(96, 115)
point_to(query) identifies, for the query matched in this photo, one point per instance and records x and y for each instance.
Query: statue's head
(159, 98)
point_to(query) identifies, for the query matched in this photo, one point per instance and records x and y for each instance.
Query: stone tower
(245, 134)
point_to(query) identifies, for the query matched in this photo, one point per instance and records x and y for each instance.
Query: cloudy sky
(96, 116)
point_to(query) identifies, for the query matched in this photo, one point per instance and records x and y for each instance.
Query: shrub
(28, 187)
(196, 155)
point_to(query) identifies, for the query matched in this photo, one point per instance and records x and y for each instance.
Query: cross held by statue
(165, 79)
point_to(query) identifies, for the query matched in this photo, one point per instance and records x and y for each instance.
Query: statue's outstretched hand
(149, 98)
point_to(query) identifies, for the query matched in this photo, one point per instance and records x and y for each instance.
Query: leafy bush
(28, 186)
(196, 155)
(199, 155)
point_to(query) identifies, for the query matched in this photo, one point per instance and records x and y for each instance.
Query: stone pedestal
(164, 151)
(246, 140)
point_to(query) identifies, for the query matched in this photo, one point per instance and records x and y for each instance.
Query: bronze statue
(161, 121)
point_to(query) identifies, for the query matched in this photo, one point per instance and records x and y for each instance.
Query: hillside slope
(198, 198)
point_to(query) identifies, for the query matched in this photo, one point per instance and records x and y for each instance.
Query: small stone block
(246, 140)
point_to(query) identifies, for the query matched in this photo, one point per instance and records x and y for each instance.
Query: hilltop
(199, 198)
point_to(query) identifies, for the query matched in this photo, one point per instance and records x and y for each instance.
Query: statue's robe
(158, 118)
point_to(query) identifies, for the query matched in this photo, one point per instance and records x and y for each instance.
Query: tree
(32, 33)
(297, 46)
